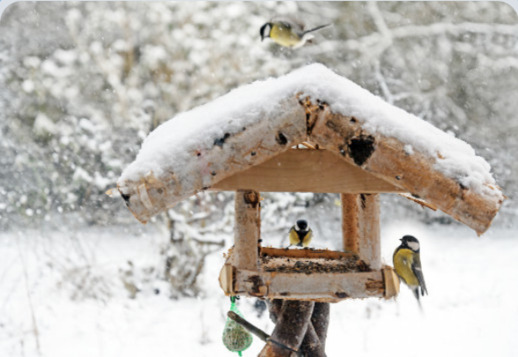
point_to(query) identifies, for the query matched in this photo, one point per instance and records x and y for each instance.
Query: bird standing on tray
(300, 234)
(288, 33)
(407, 263)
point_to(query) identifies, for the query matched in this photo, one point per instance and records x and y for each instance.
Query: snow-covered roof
(192, 151)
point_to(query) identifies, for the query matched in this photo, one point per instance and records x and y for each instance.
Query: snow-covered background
(471, 309)
(82, 84)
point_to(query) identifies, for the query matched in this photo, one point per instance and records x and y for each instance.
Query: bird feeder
(354, 144)
(308, 274)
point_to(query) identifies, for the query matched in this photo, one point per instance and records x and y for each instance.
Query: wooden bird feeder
(308, 274)
(344, 153)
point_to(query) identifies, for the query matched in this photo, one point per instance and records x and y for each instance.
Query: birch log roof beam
(365, 146)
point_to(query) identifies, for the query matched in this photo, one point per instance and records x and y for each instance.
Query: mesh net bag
(235, 337)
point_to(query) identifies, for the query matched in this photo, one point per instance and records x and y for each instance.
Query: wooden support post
(315, 340)
(292, 324)
(247, 230)
(320, 320)
(360, 227)
(316, 333)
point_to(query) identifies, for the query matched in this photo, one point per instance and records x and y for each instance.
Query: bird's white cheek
(413, 245)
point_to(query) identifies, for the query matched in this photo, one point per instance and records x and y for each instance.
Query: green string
(233, 307)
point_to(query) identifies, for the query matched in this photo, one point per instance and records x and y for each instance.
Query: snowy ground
(472, 308)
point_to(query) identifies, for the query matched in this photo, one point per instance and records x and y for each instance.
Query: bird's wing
(418, 271)
(285, 24)
(294, 237)
(307, 238)
(290, 22)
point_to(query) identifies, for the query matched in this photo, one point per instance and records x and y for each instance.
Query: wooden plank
(350, 224)
(306, 253)
(226, 277)
(370, 249)
(247, 230)
(235, 161)
(391, 282)
(305, 170)
(386, 158)
(214, 160)
(321, 287)
(360, 227)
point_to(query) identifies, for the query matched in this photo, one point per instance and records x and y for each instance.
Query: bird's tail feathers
(415, 290)
(420, 305)
(317, 28)
(416, 294)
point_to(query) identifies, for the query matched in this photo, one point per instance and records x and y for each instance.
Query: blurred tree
(84, 83)
(80, 96)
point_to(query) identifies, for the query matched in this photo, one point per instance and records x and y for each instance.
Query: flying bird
(288, 33)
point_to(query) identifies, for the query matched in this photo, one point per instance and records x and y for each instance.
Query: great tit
(407, 263)
(288, 33)
(300, 234)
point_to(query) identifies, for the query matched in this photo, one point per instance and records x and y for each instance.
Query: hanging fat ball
(287, 32)
(300, 234)
(235, 337)
(407, 264)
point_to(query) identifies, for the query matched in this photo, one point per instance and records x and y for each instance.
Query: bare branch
(376, 42)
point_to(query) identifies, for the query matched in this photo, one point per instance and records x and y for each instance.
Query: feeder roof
(253, 123)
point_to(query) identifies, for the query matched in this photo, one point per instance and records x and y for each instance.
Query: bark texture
(300, 325)
(304, 120)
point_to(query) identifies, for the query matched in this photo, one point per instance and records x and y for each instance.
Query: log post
(314, 340)
(320, 320)
(311, 345)
(290, 330)
(247, 230)
(314, 343)
(360, 227)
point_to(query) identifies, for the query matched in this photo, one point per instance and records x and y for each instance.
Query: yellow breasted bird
(407, 263)
(288, 33)
(300, 234)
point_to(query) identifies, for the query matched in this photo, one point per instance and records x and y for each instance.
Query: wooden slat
(322, 287)
(306, 253)
(226, 278)
(305, 170)
(350, 224)
(391, 282)
(247, 230)
(361, 228)
(386, 158)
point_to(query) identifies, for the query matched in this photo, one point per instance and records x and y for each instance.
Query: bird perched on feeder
(287, 32)
(300, 234)
(407, 263)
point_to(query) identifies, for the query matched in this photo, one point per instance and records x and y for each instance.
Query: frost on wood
(252, 124)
